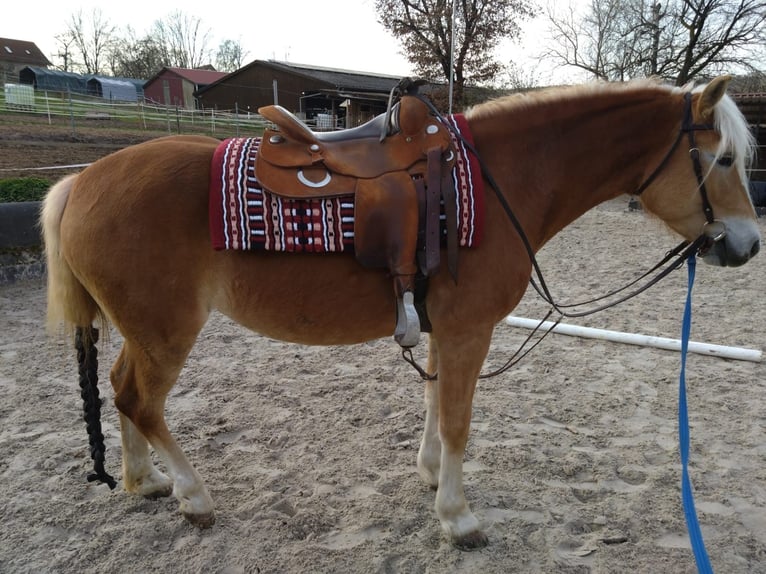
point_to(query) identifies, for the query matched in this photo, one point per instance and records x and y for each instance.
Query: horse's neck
(557, 162)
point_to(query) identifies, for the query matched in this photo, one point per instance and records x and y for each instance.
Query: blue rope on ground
(692, 524)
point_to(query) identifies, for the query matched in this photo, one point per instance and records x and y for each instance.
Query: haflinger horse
(128, 242)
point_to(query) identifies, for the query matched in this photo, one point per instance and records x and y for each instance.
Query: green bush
(23, 189)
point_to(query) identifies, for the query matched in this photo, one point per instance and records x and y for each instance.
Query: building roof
(342, 79)
(22, 52)
(198, 77)
(337, 79)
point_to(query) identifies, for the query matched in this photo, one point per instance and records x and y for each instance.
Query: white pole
(737, 353)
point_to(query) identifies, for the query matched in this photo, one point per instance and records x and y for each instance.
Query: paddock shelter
(120, 89)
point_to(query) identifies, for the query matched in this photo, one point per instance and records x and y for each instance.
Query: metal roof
(346, 80)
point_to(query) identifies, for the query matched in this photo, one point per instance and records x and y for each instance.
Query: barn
(325, 96)
(177, 86)
(753, 106)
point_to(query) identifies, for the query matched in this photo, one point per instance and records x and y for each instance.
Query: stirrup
(407, 332)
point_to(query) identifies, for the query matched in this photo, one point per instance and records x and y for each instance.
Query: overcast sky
(333, 33)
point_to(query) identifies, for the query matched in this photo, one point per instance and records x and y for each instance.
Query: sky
(334, 33)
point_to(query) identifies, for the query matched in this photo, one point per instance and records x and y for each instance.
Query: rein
(712, 232)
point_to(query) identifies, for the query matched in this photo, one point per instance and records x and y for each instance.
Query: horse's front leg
(429, 455)
(460, 360)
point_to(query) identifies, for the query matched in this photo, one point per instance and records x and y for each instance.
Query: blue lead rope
(692, 524)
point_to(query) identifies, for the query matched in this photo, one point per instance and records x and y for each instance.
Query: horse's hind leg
(139, 475)
(143, 376)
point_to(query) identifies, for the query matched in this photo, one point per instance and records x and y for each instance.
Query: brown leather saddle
(398, 168)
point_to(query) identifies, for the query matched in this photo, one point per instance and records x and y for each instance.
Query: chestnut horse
(127, 241)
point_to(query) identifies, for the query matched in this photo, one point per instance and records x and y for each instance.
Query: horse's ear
(711, 95)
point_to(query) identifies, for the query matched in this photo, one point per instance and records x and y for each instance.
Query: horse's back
(135, 226)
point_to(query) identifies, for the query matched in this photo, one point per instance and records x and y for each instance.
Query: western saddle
(398, 168)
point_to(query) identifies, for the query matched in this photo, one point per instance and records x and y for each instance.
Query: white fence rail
(76, 110)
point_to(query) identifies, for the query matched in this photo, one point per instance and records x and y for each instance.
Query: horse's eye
(726, 160)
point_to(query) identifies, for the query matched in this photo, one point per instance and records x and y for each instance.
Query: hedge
(23, 189)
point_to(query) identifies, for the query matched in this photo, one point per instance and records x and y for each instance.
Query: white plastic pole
(736, 353)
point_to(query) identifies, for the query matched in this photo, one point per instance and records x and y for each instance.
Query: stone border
(20, 242)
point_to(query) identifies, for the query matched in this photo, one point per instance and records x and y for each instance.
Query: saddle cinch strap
(398, 183)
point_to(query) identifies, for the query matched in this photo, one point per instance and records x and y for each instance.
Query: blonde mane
(736, 138)
(553, 95)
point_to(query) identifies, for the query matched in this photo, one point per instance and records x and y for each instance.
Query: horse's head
(700, 187)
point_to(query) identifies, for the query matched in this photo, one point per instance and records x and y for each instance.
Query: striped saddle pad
(245, 216)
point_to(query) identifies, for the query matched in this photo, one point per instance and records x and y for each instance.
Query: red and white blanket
(245, 216)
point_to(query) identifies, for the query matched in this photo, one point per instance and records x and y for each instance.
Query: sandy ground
(309, 453)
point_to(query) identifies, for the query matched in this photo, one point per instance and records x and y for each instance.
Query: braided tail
(87, 360)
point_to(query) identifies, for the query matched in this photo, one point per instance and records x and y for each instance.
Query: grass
(23, 189)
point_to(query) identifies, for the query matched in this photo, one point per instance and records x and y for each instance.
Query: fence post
(236, 117)
(48, 107)
(142, 114)
(71, 110)
(178, 120)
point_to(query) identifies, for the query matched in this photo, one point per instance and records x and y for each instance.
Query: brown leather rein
(712, 232)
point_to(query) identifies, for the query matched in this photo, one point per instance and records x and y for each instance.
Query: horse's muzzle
(735, 249)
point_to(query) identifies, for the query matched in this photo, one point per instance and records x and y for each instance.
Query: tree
(183, 41)
(91, 39)
(230, 56)
(135, 57)
(64, 44)
(425, 30)
(678, 40)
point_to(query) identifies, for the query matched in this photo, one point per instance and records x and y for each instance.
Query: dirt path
(309, 453)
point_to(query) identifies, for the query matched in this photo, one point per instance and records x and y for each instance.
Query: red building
(176, 86)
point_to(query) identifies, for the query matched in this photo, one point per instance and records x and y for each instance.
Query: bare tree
(230, 57)
(678, 40)
(425, 30)
(184, 40)
(91, 38)
(64, 51)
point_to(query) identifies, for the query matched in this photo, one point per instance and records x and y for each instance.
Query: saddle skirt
(245, 216)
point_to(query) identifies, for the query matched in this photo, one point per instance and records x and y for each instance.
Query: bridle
(712, 232)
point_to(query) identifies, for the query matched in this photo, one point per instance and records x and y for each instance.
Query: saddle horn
(406, 86)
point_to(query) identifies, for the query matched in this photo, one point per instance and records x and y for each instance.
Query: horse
(128, 244)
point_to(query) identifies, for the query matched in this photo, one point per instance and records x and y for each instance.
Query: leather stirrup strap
(433, 197)
(450, 211)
